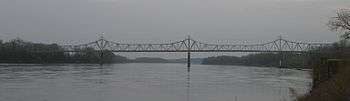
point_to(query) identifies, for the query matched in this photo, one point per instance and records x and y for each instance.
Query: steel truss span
(191, 45)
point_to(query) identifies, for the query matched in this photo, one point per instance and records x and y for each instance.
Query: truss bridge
(189, 45)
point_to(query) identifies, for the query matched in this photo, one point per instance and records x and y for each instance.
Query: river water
(149, 82)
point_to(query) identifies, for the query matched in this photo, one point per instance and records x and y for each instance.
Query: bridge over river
(189, 45)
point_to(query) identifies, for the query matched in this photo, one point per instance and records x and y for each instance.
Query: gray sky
(80, 20)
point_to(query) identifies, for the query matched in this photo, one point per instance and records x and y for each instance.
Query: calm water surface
(149, 82)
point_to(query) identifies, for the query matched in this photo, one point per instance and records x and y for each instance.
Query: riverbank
(336, 88)
(331, 80)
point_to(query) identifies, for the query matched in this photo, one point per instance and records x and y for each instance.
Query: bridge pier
(281, 60)
(101, 58)
(189, 46)
(188, 61)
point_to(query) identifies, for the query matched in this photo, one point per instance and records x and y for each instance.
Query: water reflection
(148, 82)
(188, 86)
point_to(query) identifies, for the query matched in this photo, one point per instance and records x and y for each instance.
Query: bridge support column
(101, 57)
(189, 46)
(188, 61)
(282, 62)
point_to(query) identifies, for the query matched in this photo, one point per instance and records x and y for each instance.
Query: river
(149, 82)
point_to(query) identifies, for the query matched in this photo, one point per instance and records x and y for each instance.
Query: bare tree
(341, 23)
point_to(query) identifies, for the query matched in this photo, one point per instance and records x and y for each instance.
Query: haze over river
(149, 82)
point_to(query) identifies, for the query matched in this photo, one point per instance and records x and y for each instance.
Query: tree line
(292, 60)
(20, 51)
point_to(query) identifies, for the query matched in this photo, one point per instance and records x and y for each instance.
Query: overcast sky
(80, 20)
